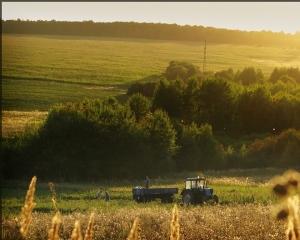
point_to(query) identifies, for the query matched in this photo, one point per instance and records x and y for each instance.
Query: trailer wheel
(188, 197)
(204, 199)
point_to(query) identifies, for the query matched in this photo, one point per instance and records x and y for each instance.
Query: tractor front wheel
(188, 197)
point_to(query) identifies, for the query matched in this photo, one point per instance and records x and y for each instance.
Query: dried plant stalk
(28, 207)
(52, 189)
(89, 231)
(175, 224)
(53, 233)
(133, 235)
(284, 187)
(76, 234)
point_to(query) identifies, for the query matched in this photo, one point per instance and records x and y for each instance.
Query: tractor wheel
(188, 197)
(216, 199)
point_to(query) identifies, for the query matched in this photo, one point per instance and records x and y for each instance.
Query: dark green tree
(254, 111)
(161, 139)
(189, 101)
(139, 105)
(216, 103)
(226, 74)
(249, 76)
(168, 97)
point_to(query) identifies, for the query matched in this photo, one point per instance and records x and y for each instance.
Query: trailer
(149, 194)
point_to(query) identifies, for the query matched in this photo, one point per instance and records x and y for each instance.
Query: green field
(245, 198)
(39, 70)
(120, 62)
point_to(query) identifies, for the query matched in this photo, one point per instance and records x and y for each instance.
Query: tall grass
(28, 207)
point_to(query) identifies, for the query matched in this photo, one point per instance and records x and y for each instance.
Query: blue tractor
(196, 191)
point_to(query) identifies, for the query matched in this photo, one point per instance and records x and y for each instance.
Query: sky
(249, 16)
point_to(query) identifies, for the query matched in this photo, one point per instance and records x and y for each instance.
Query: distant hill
(155, 31)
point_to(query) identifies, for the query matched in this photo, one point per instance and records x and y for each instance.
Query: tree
(139, 105)
(189, 101)
(254, 110)
(216, 103)
(249, 76)
(161, 139)
(226, 74)
(168, 97)
(183, 70)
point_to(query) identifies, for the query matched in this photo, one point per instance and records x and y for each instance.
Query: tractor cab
(194, 183)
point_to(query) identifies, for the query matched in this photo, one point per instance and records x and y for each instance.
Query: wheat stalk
(175, 224)
(89, 231)
(53, 233)
(133, 235)
(284, 187)
(76, 234)
(28, 207)
(52, 189)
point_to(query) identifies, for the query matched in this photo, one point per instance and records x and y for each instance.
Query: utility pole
(204, 59)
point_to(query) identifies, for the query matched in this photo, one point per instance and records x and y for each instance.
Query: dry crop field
(232, 218)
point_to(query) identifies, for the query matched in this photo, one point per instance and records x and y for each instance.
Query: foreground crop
(251, 221)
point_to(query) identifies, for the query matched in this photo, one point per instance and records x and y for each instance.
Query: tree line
(197, 124)
(156, 31)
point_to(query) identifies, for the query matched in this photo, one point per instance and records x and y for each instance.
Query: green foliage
(281, 150)
(226, 74)
(199, 149)
(254, 107)
(183, 70)
(161, 138)
(189, 101)
(94, 139)
(216, 103)
(249, 75)
(139, 105)
(292, 73)
(146, 89)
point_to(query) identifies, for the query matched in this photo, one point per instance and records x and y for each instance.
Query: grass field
(121, 62)
(246, 209)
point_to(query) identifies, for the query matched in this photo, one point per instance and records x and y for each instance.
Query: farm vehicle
(195, 191)
(149, 194)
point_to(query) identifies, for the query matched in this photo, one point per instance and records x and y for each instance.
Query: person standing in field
(98, 194)
(107, 196)
(147, 182)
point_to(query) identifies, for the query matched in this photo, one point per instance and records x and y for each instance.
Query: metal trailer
(149, 194)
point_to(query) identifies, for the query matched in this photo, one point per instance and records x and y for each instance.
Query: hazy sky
(249, 16)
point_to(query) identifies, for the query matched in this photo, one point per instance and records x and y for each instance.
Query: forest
(189, 120)
(158, 31)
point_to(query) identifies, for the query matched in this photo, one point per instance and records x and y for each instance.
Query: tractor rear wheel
(188, 197)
